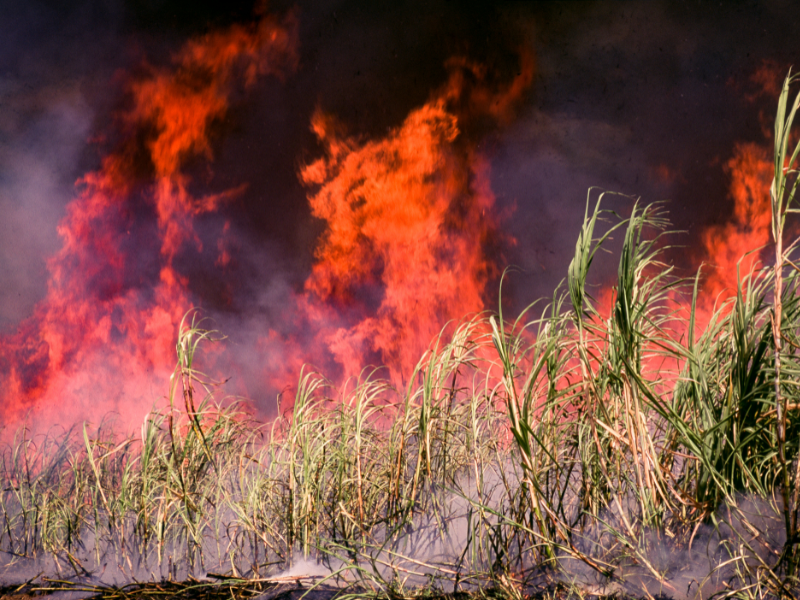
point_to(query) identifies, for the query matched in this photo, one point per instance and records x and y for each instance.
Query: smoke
(462, 541)
(104, 332)
(546, 162)
(721, 554)
(647, 100)
(46, 118)
(31, 196)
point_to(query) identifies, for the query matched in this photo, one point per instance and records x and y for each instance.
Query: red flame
(747, 230)
(102, 334)
(735, 248)
(408, 221)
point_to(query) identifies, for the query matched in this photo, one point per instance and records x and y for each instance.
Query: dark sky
(645, 98)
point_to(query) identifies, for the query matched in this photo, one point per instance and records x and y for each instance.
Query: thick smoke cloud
(644, 98)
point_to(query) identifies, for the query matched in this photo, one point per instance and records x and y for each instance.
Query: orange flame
(749, 227)
(100, 335)
(734, 248)
(408, 221)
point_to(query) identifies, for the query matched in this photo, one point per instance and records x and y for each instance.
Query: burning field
(274, 339)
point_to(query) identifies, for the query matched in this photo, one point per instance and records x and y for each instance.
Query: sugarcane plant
(586, 435)
(782, 196)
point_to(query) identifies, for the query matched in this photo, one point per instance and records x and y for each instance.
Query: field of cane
(641, 446)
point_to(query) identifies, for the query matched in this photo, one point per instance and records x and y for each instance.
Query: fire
(410, 228)
(406, 231)
(409, 223)
(737, 243)
(105, 332)
(748, 229)
(409, 219)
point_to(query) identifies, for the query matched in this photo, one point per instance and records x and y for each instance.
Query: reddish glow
(726, 245)
(103, 338)
(408, 220)
(766, 81)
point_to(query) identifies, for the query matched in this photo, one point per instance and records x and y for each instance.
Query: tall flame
(105, 330)
(409, 224)
(409, 219)
(733, 248)
(748, 229)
